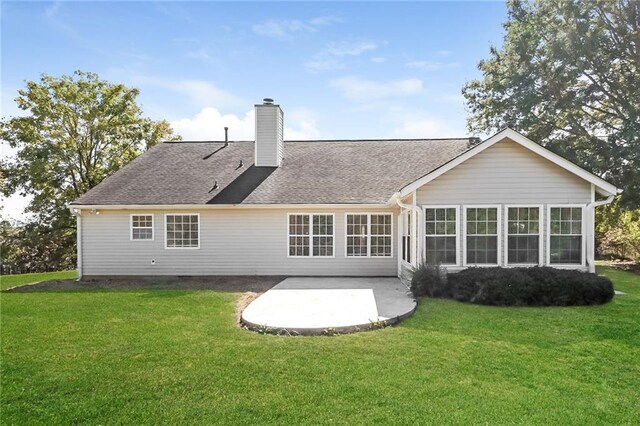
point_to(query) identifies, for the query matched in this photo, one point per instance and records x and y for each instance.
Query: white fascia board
(223, 206)
(602, 186)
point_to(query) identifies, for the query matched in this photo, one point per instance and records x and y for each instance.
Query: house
(338, 207)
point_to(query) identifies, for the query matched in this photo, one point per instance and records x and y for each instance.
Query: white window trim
(404, 227)
(582, 241)
(311, 235)
(424, 219)
(498, 231)
(368, 214)
(541, 212)
(153, 226)
(165, 231)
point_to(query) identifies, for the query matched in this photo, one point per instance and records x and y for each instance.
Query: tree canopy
(76, 131)
(568, 77)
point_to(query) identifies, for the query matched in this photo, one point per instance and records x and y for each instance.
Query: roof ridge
(340, 140)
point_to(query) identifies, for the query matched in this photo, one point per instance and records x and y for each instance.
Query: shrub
(537, 286)
(430, 280)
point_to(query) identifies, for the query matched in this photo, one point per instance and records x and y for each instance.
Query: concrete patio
(311, 305)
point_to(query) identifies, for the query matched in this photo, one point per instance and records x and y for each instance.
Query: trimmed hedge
(536, 286)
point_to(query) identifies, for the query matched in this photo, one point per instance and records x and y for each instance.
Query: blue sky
(339, 70)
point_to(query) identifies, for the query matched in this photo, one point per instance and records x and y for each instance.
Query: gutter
(591, 211)
(78, 214)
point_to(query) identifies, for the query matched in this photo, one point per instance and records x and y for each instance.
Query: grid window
(441, 235)
(323, 235)
(357, 235)
(523, 235)
(182, 231)
(142, 227)
(311, 235)
(406, 236)
(369, 235)
(381, 235)
(482, 235)
(565, 235)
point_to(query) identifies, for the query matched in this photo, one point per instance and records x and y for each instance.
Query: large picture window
(441, 230)
(369, 235)
(523, 235)
(182, 230)
(482, 224)
(141, 227)
(565, 235)
(311, 235)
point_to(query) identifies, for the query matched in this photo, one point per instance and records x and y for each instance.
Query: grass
(8, 281)
(176, 357)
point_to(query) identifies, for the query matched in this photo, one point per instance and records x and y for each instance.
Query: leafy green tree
(568, 77)
(76, 131)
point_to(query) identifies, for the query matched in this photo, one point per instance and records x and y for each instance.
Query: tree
(78, 130)
(568, 77)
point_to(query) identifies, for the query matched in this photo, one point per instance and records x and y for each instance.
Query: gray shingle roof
(312, 172)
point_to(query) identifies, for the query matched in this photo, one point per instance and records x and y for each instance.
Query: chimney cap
(267, 101)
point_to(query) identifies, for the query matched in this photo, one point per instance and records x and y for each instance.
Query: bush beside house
(537, 286)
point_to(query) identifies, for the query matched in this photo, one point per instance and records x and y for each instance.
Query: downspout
(591, 211)
(414, 235)
(78, 214)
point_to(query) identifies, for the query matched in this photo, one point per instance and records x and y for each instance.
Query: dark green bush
(538, 286)
(430, 280)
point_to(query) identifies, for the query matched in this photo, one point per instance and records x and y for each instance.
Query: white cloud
(198, 93)
(316, 65)
(209, 124)
(305, 126)
(325, 59)
(431, 66)
(200, 54)
(350, 48)
(378, 60)
(423, 127)
(358, 89)
(282, 29)
(444, 52)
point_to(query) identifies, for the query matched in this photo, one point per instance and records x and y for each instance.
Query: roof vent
(267, 101)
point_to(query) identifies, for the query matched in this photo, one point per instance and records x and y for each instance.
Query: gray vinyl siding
(232, 242)
(269, 135)
(506, 174)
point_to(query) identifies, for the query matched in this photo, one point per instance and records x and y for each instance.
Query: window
(182, 231)
(311, 235)
(523, 235)
(369, 235)
(482, 235)
(141, 227)
(565, 235)
(406, 235)
(441, 231)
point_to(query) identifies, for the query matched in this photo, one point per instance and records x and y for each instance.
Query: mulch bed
(256, 284)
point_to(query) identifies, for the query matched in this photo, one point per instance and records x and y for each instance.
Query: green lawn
(8, 281)
(176, 357)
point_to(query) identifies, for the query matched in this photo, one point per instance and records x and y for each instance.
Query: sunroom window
(523, 235)
(441, 235)
(482, 235)
(565, 235)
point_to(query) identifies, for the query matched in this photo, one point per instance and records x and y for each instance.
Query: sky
(344, 70)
